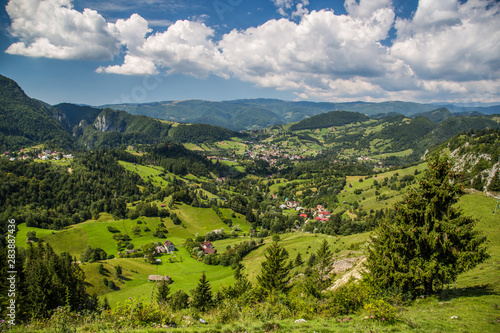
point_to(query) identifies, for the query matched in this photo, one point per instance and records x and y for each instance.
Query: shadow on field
(474, 291)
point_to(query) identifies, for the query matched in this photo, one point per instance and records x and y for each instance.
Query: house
(208, 248)
(160, 249)
(169, 246)
(158, 278)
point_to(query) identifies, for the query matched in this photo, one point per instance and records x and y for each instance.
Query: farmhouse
(169, 246)
(208, 248)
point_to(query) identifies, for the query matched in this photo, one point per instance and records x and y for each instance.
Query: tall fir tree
(323, 256)
(426, 242)
(494, 185)
(202, 298)
(163, 293)
(275, 270)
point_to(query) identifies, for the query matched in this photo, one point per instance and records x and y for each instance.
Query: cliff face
(110, 121)
(100, 123)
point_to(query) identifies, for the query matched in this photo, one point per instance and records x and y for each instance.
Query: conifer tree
(275, 270)
(323, 256)
(162, 295)
(298, 260)
(494, 185)
(202, 298)
(426, 242)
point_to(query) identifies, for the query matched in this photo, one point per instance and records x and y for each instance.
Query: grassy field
(367, 199)
(184, 271)
(148, 173)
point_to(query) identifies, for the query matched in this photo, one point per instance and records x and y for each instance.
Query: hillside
(25, 122)
(261, 113)
(329, 119)
(437, 115)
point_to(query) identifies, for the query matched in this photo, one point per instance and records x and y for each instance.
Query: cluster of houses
(291, 205)
(168, 247)
(319, 214)
(271, 154)
(44, 155)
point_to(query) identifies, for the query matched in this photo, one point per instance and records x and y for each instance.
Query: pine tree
(494, 185)
(323, 256)
(275, 270)
(162, 295)
(426, 242)
(298, 260)
(202, 298)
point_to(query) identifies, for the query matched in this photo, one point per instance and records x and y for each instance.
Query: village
(37, 154)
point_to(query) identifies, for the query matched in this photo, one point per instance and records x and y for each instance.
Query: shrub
(381, 310)
(347, 299)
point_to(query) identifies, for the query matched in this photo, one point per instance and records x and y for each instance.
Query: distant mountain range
(25, 121)
(248, 114)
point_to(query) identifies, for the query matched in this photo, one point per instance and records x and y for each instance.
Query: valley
(107, 191)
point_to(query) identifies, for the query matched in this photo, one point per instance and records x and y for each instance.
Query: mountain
(329, 119)
(437, 115)
(25, 121)
(74, 114)
(247, 114)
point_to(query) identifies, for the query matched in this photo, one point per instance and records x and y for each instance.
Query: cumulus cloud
(447, 51)
(452, 41)
(53, 29)
(293, 8)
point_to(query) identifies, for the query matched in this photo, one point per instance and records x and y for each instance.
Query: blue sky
(100, 52)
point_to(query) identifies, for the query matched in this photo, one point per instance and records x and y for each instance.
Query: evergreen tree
(162, 295)
(202, 298)
(323, 256)
(495, 182)
(118, 271)
(275, 270)
(426, 242)
(298, 260)
(52, 280)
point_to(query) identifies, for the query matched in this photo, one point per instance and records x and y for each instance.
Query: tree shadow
(472, 291)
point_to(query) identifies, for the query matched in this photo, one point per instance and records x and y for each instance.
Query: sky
(127, 51)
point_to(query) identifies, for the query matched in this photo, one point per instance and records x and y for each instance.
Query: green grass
(305, 243)
(184, 271)
(403, 153)
(368, 192)
(148, 173)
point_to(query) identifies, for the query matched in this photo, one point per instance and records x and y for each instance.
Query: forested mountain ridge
(248, 114)
(334, 118)
(25, 121)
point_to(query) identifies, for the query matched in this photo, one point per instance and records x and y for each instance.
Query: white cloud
(53, 29)
(451, 45)
(297, 7)
(185, 47)
(447, 51)
(132, 65)
(365, 8)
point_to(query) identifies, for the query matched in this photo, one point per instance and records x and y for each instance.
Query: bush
(381, 310)
(179, 299)
(347, 299)
(113, 229)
